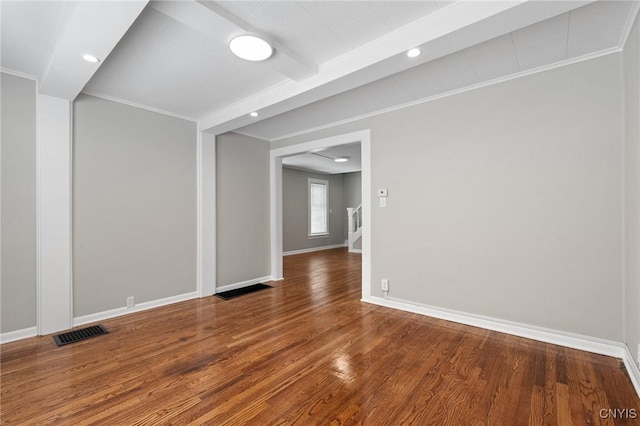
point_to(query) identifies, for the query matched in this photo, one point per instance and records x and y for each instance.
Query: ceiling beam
(210, 19)
(453, 28)
(95, 28)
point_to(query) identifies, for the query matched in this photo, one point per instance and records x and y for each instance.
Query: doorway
(276, 156)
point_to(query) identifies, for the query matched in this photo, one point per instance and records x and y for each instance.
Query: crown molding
(19, 74)
(480, 85)
(137, 105)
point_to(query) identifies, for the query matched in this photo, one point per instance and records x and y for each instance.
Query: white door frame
(275, 164)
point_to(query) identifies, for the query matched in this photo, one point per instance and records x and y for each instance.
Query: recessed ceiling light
(90, 58)
(412, 53)
(251, 48)
(254, 114)
(341, 159)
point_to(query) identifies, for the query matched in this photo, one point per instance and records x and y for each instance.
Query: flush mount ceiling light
(90, 58)
(254, 114)
(250, 48)
(341, 159)
(412, 53)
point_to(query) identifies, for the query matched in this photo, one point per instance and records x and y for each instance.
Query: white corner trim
(243, 284)
(198, 211)
(312, 249)
(556, 337)
(38, 210)
(480, 85)
(632, 369)
(141, 106)
(86, 319)
(12, 336)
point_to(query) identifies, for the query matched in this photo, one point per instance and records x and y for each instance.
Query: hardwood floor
(306, 352)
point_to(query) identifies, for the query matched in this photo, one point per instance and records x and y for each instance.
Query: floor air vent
(226, 295)
(79, 334)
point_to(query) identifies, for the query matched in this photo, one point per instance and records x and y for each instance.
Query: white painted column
(276, 217)
(54, 272)
(365, 152)
(207, 215)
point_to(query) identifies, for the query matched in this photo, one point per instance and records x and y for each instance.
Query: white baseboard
(632, 369)
(86, 319)
(12, 336)
(243, 284)
(355, 251)
(312, 249)
(556, 337)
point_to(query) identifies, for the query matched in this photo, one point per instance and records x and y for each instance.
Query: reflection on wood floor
(305, 352)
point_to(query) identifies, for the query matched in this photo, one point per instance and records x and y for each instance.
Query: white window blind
(318, 207)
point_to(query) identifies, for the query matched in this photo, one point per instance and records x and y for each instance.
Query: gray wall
(632, 190)
(505, 201)
(134, 205)
(295, 211)
(242, 169)
(18, 204)
(352, 189)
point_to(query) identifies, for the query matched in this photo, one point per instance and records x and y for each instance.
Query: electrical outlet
(384, 284)
(130, 302)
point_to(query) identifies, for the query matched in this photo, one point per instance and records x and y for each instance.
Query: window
(318, 207)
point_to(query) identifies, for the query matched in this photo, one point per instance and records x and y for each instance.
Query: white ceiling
(592, 28)
(46, 40)
(322, 161)
(334, 60)
(30, 32)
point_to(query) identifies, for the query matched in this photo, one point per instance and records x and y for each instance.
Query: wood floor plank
(550, 400)
(536, 418)
(563, 408)
(306, 352)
